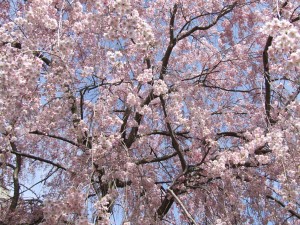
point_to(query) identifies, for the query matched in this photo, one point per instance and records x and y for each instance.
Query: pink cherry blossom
(149, 112)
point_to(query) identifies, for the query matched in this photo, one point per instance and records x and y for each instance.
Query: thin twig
(182, 206)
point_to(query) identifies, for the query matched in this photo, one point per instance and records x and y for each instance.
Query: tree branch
(172, 21)
(223, 12)
(37, 54)
(56, 137)
(292, 212)
(16, 172)
(38, 159)
(231, 134)
(182, 206)
(175, 144)
(267, 79)
(158, 159)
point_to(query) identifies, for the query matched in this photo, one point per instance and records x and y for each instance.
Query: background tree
(149, 112)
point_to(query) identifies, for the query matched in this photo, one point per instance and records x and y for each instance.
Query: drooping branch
(56, 137)
(44, 179)
(193, 222)
(168, 200)
(292, 212)
(38, 159)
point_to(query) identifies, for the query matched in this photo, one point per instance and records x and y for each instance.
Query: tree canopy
(149, 112)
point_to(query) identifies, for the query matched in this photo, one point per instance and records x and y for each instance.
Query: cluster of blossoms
(122, 7)
(176, 108)
(128, 23)
(78, 16)
(4, 35)
(78, 27)
(200, 124)
(145, 77)
(5, 128)
(285, 43)
(65, 47)
(145, 110)
(107, 130)
(160, 87)
(238, 157)
(132, 100)
(272, 27)
(87, 71)
(77, 12)
(277, 143)
(115, 58)
(257, 138)
(102, 208)
(295, 58)
(18, 76)
(81, 126)
(220, 222)
(42, 15)
(218, 166)
(58, 212)
(229, 158)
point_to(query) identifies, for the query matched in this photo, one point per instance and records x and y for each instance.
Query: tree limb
(223, 12)
(292, 212)
(38, 159)
(16, 172)
(182, 206)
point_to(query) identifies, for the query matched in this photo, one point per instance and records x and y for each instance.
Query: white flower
(8, 128)
(87, 71)
(50, 23)
(132, 100)
(145, 77)
(160, 87)
(145, 110)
